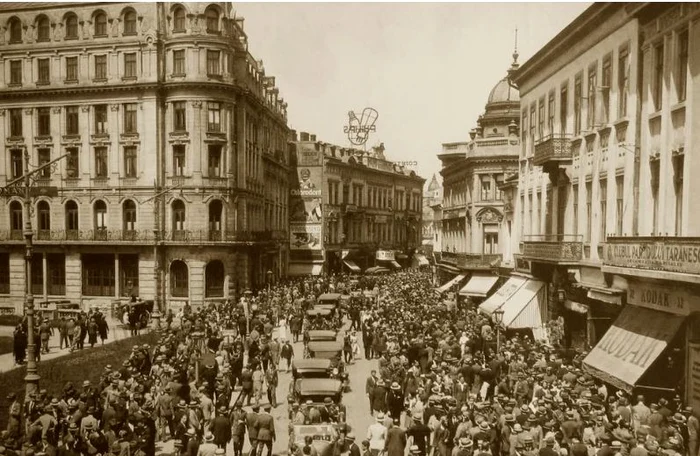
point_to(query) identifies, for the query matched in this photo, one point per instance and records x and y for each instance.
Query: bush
(87, 364)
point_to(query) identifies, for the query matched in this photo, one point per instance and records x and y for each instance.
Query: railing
(553, 147)
(658, 253)
(471, 260)
(553, 247)
(104, 235)
(83, 235)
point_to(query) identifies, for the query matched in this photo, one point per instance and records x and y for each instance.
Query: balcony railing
(658, 253)
(552, 148)
(557, 248)
(104, 235)
(471, 260)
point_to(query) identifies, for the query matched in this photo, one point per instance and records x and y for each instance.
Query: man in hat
(272, 380)
(287, 353)
(376, 434)
(251, 419)
(640, 413)
(379, 396)
(265, 425)
(692, 426)
(570, 427)
(46, 331)
(353, 449)
(420, 433)
(548, 449)
(221, 428)
(238, 429)
(370, 384)
(165, 412)
(208, 447)
(395, 443)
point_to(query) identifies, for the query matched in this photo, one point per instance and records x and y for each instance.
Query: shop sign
(664, 255)
(693, 374)
(672, 300)
(385, 255)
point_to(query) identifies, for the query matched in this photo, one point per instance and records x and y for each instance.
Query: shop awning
(352, 266)
(496, 300)
(525, 308)
(450, 283)
(448, 268)
(479, 286)
(303, 269)
(395, 264)
(422, 260)
(631, 345)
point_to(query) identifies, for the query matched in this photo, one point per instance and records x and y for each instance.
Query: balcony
(348, 208)
(472, 260)
(553, 150)
(553, 248)
(658, 254)
(79, 236)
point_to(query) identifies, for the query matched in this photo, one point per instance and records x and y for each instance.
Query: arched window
(16, 220)
(72, 225)
(214, 278)
(179, 19)
(130, 23)
(100, 24)
(43, 29)
(212, 20)
(15, 30)
(129, 215)
(71, 26)
(178, 215)
(100, 215)
(179, 280)
(215, 210)
(43, 217)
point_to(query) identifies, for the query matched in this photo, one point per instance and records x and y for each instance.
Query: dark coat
(395, 442)
(221, 428)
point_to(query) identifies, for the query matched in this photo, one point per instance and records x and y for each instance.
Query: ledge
(678, 107)
(623, 122)
(654, 115)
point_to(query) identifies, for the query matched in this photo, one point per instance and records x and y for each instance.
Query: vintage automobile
(311, 368)
(311, 392)
(330, 301)
(323, 335)
(142, 309)
(316, 312)
(327, 439)
(332, 350)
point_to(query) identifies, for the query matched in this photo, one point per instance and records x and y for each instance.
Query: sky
(427, 68)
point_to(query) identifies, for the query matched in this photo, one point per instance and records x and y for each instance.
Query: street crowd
(440, 386)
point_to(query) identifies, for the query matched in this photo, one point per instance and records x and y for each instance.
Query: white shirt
(376, 434)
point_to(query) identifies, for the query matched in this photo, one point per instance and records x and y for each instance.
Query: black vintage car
(141, 315)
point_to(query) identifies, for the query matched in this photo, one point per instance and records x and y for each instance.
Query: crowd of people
(438, 386)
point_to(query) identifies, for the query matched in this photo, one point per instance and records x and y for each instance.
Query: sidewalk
(117, 332)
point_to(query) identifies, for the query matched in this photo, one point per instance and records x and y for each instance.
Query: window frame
(100, 25)
(180, 116)
(211, 62)
(71, 26)
(15, 30)
(100, 67)
(16, 72)
(72, 120)
(72, 71)
(43, 29)
(130, 161)
(73, 162)
(179, 14)
(129, 215)
(179, 158)
(214, 117)
(43, 122)
(130, 66)
(683, 64)
(72, 216)
(43, 74)
(101, 156)
(578, 105)
(130, 25)
(658, 55)
(16, 123)
(101, 119)
(130, 118)
(179, 62)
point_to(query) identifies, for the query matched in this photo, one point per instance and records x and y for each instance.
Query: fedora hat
(208, 437)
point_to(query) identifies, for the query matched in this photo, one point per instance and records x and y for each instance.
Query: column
(117, 291)
(44, 275)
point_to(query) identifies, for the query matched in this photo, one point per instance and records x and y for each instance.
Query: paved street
(355, 400)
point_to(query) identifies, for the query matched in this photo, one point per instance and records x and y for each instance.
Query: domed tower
(502, 112)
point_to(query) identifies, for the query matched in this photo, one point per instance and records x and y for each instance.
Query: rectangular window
(592, 87)
(540, 119)
(130, 125)
(100, 162)
(130, 161)
(575, 208)
(655, 195)
(130, 65)
(623, 74)
(214, 117)
(682, 77)
(98, 274)
(603, 209)
(589, 210)
(214, 156)
(44, 157)
(678, 165)
(72, 162)
(101, 67)
(550, 113)
(56, 269)
(72, 123)
(101, 119)
(619, 203)
(179, 62)
(563, 108)
(213, 63)
(37, 279)
(523, 132)
(533, 122)
(44, 121)
(16, 123)
(16, 163)
(577, 104)
(606, 81)
(44, 73)
(179, 160)
(71, 69)
(4, 273)
(129, 274)
(658, 81)
(180, 116)
(485, 188)
(530, 219)
(16, 72)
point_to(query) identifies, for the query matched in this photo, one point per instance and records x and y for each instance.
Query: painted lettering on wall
(656, 255)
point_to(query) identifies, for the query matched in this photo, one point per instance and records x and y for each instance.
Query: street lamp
(269, 299)
(498, 319)
(23, 187)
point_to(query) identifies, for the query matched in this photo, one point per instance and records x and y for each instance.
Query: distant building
(475, 234)
(351, 210)
(431, 195)
(175, 181)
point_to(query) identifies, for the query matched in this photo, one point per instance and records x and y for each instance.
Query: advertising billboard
(305, 236)
(306, 202)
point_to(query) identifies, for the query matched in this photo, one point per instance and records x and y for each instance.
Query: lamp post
(498, 319)
(269, 298)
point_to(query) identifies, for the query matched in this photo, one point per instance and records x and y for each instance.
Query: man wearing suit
(353, 448)
(369, 389)
(265, 426)
(251, 419)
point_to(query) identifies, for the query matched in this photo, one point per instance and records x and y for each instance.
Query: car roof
(329, 296)
(311, 363)
(323, 332)
(325, 345)
(318, 312)
(319, 386)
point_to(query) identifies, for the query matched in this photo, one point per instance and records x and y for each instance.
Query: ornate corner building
(173, 177)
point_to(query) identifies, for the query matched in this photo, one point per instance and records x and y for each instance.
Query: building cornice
(43, 92)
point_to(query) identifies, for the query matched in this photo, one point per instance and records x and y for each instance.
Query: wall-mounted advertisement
(305, 236)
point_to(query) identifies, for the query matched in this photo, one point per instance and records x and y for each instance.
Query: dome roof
(504, 91)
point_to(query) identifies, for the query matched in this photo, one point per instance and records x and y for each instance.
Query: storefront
(420, 260)
(478, 287)
(523, 302)
(452, 284)
(387, 259)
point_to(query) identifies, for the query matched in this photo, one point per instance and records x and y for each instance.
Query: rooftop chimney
(303, 136)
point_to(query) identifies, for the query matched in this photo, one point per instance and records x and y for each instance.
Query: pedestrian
(370, 385)
(19, 344)
(376, 434)
(287, 353)
(265, 425)
(271, 379)
(63, 333)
